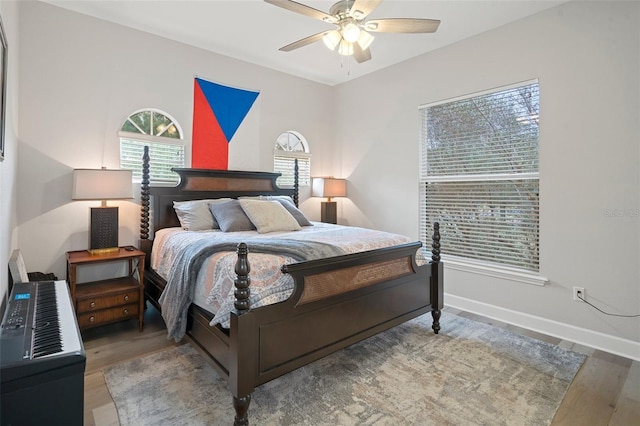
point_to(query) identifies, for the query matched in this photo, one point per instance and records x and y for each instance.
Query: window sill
(466, 265)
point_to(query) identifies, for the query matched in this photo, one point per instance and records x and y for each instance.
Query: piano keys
(42, 358)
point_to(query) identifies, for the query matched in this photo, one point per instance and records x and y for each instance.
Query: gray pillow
(293, 210)
(194, 215)
(231, 217)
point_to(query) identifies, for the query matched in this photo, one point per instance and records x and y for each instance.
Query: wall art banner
(218, 111)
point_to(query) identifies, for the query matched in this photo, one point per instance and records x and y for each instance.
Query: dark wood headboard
(199, 184)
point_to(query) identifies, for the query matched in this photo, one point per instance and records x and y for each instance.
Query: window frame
(470, 264)
(304, 177)
(146, 139)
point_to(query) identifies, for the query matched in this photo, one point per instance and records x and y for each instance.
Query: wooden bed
(380, 289)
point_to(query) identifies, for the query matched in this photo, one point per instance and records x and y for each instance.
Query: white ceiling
(253, 31)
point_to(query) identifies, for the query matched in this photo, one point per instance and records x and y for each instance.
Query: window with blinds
(162, 134)
(285, 165)
(479, 176)
(289, 147)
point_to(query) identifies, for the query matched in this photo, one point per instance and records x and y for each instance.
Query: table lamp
(102, 184)
(329, 187)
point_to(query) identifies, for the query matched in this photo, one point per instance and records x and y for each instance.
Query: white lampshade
(331, 39)
(345, 48)
(102, 184)
(329, 187)
(365, 40)
(350, 32)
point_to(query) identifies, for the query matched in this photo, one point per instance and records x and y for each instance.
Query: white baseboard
(615, 345)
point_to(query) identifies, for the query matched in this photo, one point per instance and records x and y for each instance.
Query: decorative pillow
(288, 204)
(294, 211)
(269, 216)
(194, 215)
(216, 225)
(231, 217)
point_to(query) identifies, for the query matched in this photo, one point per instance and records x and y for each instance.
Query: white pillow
(269, 216)
(195, 215)
(287, 203)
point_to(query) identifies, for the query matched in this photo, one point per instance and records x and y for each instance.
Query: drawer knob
(92, 304)
(126, 297)
(125, 311)
(92, 319)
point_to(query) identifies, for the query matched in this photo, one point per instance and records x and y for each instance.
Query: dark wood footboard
(385, 288)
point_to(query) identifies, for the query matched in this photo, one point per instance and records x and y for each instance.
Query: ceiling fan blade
(402, 25)
(303, 10)
(361, 55)
(361, 8)
(303, 42)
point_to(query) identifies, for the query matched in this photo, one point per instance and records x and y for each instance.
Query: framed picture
(3, 87)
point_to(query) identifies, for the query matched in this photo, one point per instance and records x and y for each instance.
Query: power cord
(606, 313)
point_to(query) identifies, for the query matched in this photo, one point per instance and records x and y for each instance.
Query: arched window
(290, 146)
(162, 134)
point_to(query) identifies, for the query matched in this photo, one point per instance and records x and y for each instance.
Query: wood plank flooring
(605, 392)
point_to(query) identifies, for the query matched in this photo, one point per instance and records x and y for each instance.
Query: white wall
(586, 56)
(8, 167)
(80, 79)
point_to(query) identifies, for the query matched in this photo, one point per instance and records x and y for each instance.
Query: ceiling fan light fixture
(345, 48)
(350, 31)
(331, 39)
(364, 40)
(350, 35)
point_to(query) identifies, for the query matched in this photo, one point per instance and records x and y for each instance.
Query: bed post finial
(435, 246)
(242, 281)
(144, 196)
(296, 182)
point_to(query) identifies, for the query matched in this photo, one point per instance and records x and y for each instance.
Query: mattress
(213, 289)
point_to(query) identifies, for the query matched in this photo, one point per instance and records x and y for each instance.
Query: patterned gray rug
(470, 374)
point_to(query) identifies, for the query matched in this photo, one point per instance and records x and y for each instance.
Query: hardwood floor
(606, 390)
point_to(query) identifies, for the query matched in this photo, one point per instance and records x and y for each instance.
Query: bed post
(242, 281)
(145, 244)
(437, 274)
(296, 183)
(242, 292)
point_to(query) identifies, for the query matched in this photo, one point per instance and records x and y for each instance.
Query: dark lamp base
(328, 212)
(103, 237)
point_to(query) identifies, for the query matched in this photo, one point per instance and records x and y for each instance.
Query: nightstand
(106, 301)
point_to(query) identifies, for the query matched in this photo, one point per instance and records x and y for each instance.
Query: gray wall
(586, 56)
(81, 77)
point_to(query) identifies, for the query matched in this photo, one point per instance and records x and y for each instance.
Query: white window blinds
(285, 165)
(164, 156)
(479, 176)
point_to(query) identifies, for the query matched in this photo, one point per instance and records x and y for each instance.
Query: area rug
(469, 374)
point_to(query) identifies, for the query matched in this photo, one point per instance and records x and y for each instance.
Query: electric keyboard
(42, 358)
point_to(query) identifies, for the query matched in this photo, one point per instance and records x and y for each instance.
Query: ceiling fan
(351, 36)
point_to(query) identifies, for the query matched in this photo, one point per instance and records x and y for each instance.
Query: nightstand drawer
(107, 301)
(108, 315)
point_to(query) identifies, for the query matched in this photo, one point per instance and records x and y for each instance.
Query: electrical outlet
(578, 292)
